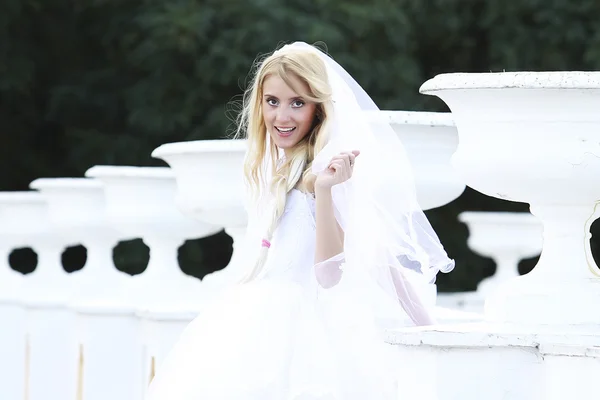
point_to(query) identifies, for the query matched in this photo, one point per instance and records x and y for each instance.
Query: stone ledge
(483, 334)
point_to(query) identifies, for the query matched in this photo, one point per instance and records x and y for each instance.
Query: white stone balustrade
(48, 370)
(527, 137)
(507, 238)
(210, 189)
(522, 146)
(205, 182)
(13, 345)
(102, 316)
(571, 371)
(78, 214)
(141, 203)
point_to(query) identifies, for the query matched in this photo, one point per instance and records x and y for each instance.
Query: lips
(285, 131)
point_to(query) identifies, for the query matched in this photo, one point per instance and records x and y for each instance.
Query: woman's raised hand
(339, 170)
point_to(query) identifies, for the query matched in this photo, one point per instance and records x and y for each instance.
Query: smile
(285, 131)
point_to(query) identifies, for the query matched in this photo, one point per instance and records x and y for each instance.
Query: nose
(283, 114)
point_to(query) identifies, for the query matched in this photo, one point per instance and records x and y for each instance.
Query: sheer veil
(387, 237)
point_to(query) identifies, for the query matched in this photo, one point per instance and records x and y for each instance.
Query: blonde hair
(295, 168)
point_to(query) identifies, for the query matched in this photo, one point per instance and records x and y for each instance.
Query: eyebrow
(291, 98)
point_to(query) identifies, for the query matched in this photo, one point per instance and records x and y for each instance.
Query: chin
(286, 143)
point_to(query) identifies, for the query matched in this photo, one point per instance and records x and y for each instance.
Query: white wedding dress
(282, 337)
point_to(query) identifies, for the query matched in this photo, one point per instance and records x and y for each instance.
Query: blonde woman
(338, 247)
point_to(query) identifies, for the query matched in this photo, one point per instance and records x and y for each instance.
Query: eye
(297, 103)
(272, 102)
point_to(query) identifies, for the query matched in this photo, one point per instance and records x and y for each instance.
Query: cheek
(268, 116)
(308, 115)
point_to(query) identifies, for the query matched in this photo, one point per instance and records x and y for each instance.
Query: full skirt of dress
(277, 340)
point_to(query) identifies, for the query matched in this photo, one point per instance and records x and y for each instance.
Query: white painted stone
(507, 238)
(106, 325)
(521, 139)
(12, 315)
(109, 353)
(44, 293)
(78, 214)
(455, 365)
(462, 361)
(162, 330)
(141, 203)
(528, 137)
(210, 188)
(571, 371)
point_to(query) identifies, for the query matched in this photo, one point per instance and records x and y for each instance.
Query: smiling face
(288, 117)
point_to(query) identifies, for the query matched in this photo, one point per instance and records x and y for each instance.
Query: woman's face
(287, 116)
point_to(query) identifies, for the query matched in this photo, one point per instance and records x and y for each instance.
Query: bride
(337, 248)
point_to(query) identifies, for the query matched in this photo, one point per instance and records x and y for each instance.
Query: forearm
(410, 300)
(330, 238)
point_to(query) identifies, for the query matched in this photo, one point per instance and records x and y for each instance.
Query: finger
(341, 156)
(347, 158)
(347, 163)
(352, 156)
(340, 162)
(337, 165)
(337, 162)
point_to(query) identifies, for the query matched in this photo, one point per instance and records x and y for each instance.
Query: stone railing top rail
(412, 117)
(513, 80)
(114, 171)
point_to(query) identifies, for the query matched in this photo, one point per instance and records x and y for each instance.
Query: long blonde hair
(295, 168)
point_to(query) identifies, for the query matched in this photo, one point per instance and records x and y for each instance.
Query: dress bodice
(291, 255)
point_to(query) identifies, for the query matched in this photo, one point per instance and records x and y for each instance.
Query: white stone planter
(507, 238)
(141, 203)
(533, 137)
(210, 188)
(429, 139)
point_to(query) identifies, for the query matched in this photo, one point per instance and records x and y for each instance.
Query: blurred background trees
(107, 81)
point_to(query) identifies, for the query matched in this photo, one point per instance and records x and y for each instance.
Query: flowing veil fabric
(387, 238)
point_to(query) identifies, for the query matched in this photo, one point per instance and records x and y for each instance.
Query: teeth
(285, 130)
